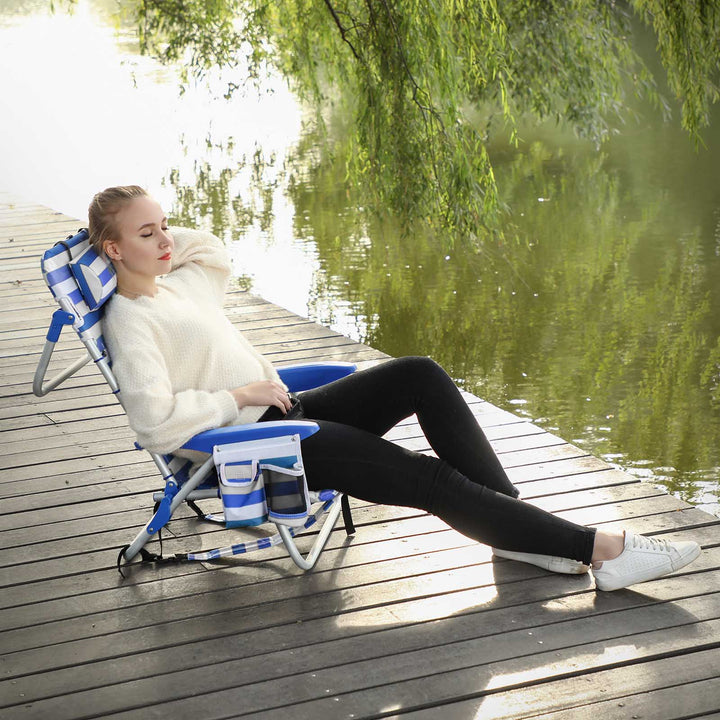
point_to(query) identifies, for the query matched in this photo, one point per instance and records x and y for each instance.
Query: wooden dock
(406, 619)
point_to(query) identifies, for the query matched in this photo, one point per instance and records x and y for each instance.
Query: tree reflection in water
(600, 321)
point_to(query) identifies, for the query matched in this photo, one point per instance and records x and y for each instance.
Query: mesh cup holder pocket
(286, 492)
(242, 492)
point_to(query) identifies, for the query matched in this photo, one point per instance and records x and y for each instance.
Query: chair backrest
(81, 281)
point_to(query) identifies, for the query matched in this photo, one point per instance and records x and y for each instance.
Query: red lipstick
(166, 256)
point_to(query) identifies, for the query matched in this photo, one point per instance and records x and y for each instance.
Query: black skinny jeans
(465, 485)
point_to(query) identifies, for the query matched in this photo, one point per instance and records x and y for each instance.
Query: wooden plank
(98, 430)
(506, 437)
(69, 432)
(640, 691)
(693, 698)
(94, 462)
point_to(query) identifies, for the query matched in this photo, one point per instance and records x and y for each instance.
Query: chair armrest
(206, 441)
(311, 375)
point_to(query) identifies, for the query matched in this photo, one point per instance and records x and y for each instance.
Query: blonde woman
(183, 368)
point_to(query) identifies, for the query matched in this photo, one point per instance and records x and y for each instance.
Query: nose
(165, 239)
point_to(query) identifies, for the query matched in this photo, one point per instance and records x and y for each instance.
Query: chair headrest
(74, 259)
(95, 277)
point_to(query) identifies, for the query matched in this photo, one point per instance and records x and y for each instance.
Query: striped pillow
(95, 277)
(61, 278)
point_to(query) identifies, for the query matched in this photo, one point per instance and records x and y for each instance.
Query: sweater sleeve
(163, 420)
(200, 257)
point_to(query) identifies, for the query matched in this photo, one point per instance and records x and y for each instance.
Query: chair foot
(347, 515)
(147, 557)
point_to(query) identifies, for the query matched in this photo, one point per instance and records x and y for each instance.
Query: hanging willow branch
(343, 30)
(429, 83)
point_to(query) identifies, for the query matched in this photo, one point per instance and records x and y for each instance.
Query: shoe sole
(579, 569)
(648, 575)
(565, 566)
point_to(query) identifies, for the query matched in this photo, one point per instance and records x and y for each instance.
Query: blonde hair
(103, 210)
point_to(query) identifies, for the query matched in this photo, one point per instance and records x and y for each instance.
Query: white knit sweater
(176, 356)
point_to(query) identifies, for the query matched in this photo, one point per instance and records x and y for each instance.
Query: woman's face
(144, 245)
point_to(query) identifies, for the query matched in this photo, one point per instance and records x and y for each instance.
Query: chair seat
(206, 441)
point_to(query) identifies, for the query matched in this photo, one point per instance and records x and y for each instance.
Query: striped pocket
(286, 491)
(242, 492)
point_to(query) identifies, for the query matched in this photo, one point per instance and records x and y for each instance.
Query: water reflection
(601, 322)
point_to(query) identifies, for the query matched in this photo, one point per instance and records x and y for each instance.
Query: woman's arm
(202, 260)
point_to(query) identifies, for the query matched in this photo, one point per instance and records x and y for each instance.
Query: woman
(183, 368)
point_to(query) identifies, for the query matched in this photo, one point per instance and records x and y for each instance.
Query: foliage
(688, 35)
(428, 81)
(197, 34)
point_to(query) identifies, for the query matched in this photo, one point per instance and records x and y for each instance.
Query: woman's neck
(135, 287)
(132, 295)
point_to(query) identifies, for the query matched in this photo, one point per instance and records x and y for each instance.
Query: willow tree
(429, 82)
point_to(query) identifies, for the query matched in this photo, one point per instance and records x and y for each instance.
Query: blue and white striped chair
(82, 282)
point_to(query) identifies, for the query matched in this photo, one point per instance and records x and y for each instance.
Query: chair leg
(146, 534)
(308, 562)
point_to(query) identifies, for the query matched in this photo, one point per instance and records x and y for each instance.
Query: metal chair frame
(175, 493)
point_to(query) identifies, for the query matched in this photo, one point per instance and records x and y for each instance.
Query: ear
(112, 250)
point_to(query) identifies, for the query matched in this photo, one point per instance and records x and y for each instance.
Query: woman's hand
(264, 392)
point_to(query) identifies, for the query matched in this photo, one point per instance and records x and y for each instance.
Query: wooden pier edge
(405, 619)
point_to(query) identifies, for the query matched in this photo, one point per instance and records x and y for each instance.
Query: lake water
(601, 323)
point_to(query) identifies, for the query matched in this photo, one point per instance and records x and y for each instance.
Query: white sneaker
(644, 559)
(563, 565)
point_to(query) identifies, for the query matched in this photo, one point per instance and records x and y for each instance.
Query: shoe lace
(647, 543)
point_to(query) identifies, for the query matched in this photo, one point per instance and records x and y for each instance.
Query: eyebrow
(149, 224)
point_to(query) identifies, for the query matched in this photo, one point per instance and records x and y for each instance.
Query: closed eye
(150, 225)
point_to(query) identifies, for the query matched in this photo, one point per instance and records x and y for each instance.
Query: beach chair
(255, 469)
